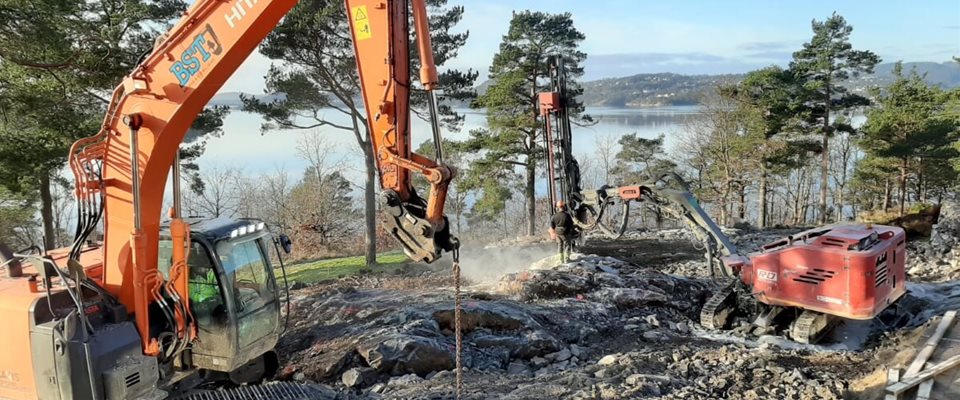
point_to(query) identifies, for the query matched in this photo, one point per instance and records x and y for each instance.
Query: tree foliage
(769, 104)
(822, 64)
(58, 62)
(518, 72)
(910, 125)
(640, 159)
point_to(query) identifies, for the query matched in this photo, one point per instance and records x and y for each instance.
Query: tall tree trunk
(724, 204)
(742, 206)
(887, 189)
(840, 202)
(530, 195)
(798, 200)
(807, 192)
(504, 219)
(369, 209)
(825, 159)
(855, 203)
(921, 193)
(903, 185)
(46, 211)
(762, 198)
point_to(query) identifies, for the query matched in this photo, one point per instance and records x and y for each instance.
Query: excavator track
(811, 326)
(716, 312)
(270, 391)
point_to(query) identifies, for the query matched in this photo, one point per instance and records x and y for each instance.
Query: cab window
(244, 265)
(206, 301)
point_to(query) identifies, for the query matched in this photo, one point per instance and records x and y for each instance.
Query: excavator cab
(233, 294)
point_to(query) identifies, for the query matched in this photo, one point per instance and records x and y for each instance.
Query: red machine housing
(549, 101)
(851, 271)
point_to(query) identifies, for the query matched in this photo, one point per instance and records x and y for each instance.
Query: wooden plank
(924, 354)
(923, 393)
(900, 387)
(893, 376)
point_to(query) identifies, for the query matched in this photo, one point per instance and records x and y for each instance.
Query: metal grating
(272, 391)
(132, 379)
(828, 241)
(815, 276)
(883, 270)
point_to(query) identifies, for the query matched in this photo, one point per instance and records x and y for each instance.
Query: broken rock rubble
(596, 327)
(938, 259)
(359, 338)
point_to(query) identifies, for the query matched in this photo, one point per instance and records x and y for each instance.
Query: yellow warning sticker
(361, 24)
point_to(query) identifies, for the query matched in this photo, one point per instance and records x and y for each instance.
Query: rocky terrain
(619, 321)
(938, 259)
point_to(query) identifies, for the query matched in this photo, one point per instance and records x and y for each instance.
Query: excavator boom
(121, 173)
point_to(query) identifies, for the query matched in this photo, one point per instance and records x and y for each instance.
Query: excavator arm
(121, 172)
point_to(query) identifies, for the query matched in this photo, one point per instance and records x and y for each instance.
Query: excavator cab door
(252, 286)
(233, 298)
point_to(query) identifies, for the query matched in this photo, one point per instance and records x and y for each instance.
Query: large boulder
(946, 233)
(535, 344)
(630, 297)
(491, 315)
(555, 285)
(355, 377)
(400, 354)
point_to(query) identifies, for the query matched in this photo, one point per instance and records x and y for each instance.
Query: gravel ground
(619, 321)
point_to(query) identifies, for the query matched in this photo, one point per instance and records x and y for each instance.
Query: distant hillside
(669, 89)
(648, 90)
(232, 99)
(946, 74)
(664, 89)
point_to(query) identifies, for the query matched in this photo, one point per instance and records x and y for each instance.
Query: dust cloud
(481, 265)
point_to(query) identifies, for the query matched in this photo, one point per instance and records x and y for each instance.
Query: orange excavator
(159, 305)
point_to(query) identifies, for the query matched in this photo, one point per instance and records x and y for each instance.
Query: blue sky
(628, 37)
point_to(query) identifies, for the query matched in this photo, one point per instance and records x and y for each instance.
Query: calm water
(242, 144)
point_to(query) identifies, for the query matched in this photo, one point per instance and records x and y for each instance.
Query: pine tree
(641, 159)
(824, 62)
(57, 58)
(767, 102)
(911, 126)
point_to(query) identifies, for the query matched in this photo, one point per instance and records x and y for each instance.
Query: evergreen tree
(57, 59)
(641, 159)
(519, 73)
(824, 62)
(767, 103)
(910, 125)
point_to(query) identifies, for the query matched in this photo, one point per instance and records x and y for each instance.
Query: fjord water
(242, 144)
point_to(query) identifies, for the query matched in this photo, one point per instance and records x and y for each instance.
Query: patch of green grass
(335, 268)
